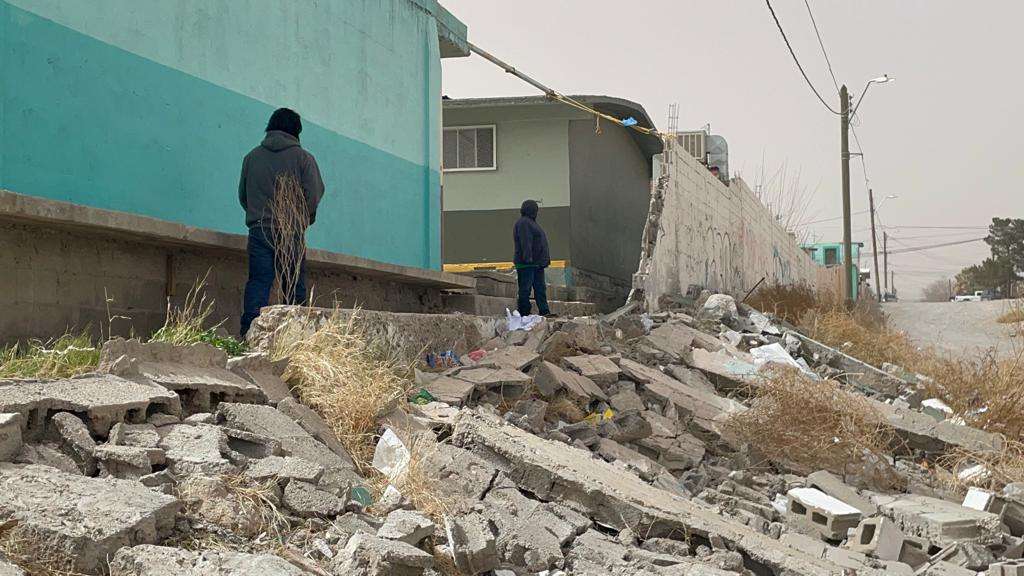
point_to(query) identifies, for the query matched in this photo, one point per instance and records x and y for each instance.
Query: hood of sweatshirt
(276, 140)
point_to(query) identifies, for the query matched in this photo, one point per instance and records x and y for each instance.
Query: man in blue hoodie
(531, 259)
(279, 154)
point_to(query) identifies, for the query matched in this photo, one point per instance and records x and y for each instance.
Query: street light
(844, 104)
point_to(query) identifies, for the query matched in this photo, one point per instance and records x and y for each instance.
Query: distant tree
(991, 274)
(937, 291)
(1006, 239)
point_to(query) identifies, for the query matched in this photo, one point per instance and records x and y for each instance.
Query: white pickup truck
(978, 296)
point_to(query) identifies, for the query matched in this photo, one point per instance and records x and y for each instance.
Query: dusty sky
(945, 136)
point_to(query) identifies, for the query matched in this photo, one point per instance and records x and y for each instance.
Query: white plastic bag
(776, 354)
(391, 457)
(517, 322)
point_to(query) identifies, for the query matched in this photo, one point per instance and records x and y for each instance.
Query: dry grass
(563, 408)
(813, 425)
(863, 335)
(788, 302)
(1014, 313)
(290, 216)
(1002, 466)
(63, 357)
(351, 379)
(37, 557)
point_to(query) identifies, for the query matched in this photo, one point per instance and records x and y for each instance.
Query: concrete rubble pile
(586, 446)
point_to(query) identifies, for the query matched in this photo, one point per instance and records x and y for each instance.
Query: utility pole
(885, 257)
(874, 242)
(844, 120)
(949, 288)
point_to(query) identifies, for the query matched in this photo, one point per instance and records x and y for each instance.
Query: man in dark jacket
(279, 154)
(531, 259)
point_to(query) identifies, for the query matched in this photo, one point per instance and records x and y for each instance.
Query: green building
(148, 107)
(592, 179)
(829, 254)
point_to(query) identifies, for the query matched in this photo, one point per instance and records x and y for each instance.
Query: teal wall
(148, 107)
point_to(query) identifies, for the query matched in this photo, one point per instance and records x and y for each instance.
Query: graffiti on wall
(718, 237)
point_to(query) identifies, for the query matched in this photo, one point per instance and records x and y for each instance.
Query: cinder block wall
(53, 280)
(717, 236)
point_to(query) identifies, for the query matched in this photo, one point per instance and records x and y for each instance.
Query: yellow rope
(581, 106)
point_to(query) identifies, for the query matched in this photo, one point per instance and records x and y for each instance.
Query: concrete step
(480, 305)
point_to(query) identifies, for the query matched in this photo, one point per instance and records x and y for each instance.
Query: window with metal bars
(469, 148)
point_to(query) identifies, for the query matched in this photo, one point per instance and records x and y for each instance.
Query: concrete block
(979, 499)
(89, 518)
(516, 358)
(367, 555)
(406, 526)
(103, 400)
(598, 369)
(307, 501)
(285, 468)
(10, 436)
(127, 462)
(198, 372)
(551, 379)
(147, 560)
(946, 569)
(940, 521)
(473, 544)
(881, 538)
(828, 516)
(259, 370)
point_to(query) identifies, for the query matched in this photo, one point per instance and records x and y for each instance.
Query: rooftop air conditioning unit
(695, 143)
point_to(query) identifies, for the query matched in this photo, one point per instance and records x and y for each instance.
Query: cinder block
(830, 517)
(881, 538)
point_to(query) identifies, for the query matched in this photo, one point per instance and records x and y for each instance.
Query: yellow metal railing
(471, 266)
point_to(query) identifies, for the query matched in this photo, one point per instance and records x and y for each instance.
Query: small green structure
(829, 254)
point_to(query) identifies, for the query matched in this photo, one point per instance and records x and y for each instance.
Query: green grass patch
(63, 357)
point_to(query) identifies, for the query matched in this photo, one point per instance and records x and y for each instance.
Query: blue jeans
(532, 278)
(262, 270)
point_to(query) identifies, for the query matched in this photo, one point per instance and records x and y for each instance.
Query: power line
(919, 248)
(797, 61)
(822, 44)
(895, 226)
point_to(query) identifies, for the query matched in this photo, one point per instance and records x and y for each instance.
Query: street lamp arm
(861, 99)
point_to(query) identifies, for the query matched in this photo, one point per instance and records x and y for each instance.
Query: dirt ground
(964, 329)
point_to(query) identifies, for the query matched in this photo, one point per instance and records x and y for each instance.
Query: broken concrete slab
(847, 559)
(272, 423)
(925, 433)
(450, 390)
(127, 462)
(368, 555)
(513, 358)
(503, 381)
(550, 379)
(726, 372)
(285, 468)
(460, 474)
(148, 560)
(644, 467)
(832, 485)
(258, 369)
(103, 399)
(308, 501)
(47, 454)
(9, 569)
(87, 518)
(708, 410)
(197, 372)
(73, 436)
(598, 369)
(673, 339)
(627, 400)
(10, 436)
(860, 374)
(472, 543)
(196, 449)
(314, 424)
(554, 473)
(406, 526)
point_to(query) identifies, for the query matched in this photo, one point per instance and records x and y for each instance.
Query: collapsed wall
(702, 232)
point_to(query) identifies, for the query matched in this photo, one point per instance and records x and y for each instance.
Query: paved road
(959, 328)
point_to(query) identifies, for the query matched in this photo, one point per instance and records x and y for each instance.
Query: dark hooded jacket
(530, 240)
(279, 153)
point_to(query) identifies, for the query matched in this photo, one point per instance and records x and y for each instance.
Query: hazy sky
(945, 136)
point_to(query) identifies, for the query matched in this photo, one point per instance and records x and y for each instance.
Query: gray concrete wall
(486, 235)
(717, 236)
(54, 279)
(610, 183)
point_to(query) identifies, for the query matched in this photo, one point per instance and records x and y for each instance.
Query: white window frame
(494, 147)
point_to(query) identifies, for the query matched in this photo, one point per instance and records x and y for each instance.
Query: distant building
(829, 254)
(592, 178)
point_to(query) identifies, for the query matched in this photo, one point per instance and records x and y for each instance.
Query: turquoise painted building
(148, 107)
(830, 254)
